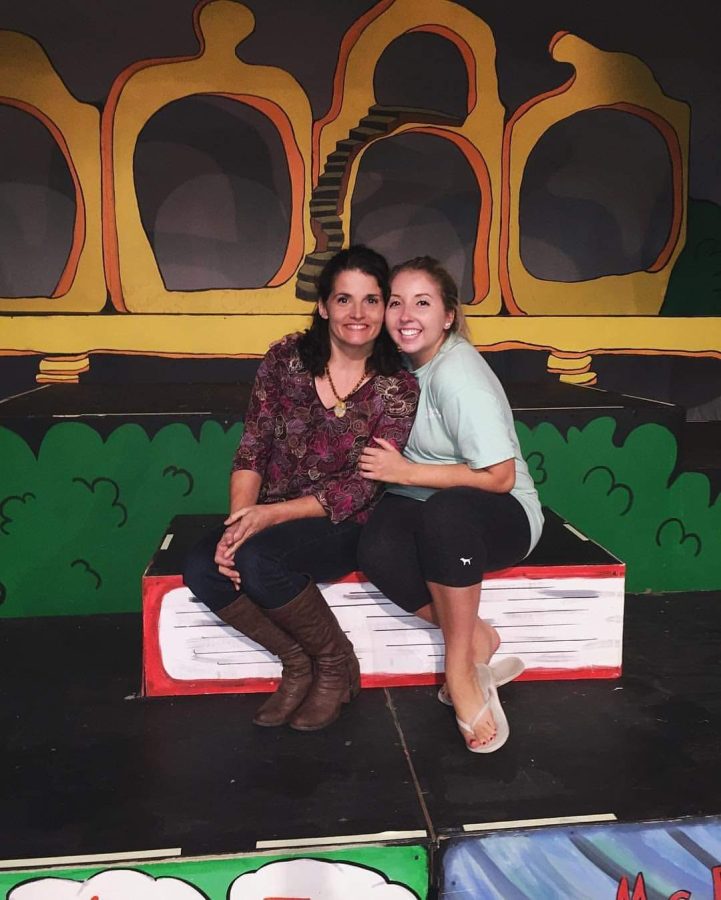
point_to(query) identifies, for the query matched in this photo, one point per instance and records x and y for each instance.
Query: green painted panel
(397, 873)
(79, 522)
(694, 288)
(666, 531)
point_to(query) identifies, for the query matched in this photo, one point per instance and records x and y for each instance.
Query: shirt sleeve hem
(484, 464)
(247, 466)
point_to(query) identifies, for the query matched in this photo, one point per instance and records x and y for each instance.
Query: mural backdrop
(204, 160)
(173, 175)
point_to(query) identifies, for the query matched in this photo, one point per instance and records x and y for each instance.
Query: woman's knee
(253, 567)
(264, 576)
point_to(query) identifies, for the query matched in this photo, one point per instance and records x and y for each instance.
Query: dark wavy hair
(446, 285)
(314, 344)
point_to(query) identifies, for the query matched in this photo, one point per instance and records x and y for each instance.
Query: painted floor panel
(643, 861)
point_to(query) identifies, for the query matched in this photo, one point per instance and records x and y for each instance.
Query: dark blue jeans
(274, 564)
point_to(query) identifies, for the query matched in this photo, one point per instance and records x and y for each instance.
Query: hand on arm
(385, 463)
(478, 425)
(250, 460)
(249, 520)
(352, 492)
(243, 523)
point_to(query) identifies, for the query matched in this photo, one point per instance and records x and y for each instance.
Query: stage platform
(153, 405)
(187, 788)
(92, 769)
(560, 610)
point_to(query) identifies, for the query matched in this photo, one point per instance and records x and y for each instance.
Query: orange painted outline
(673, 146)
(156, 682)
(295, 247)
(349, 41)
(111, 253)
(474, 157)
(466, 52)
(70, 269)
(481, 266)
(568, 354)
(600, 351)
(504, 275)
(486, 347)
(350, 38)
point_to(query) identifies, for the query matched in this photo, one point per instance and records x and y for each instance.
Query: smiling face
(416, 316)
(354, 311)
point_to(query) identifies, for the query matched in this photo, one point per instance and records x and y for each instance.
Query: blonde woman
(459, 500)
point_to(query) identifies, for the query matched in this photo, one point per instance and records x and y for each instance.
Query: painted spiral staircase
(326, 202)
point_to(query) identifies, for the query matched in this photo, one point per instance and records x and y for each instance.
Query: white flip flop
(505, 670)
(488, 686)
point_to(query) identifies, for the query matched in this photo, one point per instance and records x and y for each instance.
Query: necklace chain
(341, 406)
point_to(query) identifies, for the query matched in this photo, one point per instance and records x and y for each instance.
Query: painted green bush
(667, 532)
(79, 521)
(213, 878)
(694, 288)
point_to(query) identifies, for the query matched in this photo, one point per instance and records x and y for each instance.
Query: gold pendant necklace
(340, 405)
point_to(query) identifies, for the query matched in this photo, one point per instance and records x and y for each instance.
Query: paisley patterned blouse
(300, 448)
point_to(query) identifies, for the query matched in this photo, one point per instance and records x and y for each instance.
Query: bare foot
(486, 641)
(468, 699)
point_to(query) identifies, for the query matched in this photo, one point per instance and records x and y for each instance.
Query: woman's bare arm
(385, 463)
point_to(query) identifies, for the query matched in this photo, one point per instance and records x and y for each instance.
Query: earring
(447, 326)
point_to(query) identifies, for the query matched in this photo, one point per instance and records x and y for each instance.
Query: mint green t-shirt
(464, 417)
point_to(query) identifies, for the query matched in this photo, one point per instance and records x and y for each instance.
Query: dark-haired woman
(297, 499)
(459, 501)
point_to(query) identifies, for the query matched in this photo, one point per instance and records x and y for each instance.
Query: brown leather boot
(336, 670)
(297, 678)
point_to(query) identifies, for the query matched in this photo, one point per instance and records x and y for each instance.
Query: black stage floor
(88, 769)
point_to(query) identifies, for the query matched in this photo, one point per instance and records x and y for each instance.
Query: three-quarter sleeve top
(300, 448)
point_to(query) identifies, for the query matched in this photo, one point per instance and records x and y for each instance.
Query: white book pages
(552, 623)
